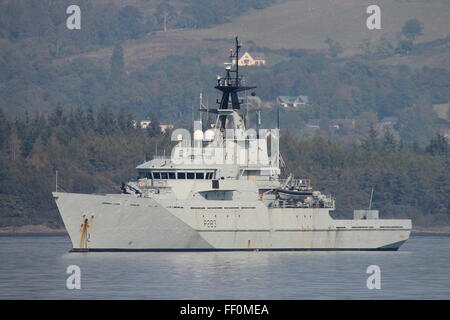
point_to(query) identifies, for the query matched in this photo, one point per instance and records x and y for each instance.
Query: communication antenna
(202, 107)
(56, 181)
(278, 116)
(371, 196)
(238, 47)
(258, 122)
(247, 123)
(207, 110)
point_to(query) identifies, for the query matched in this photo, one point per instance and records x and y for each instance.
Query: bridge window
(190, 175)
(199, 175)
(177, 175)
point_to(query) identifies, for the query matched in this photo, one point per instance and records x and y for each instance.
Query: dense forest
(107, 22)
(96, 151)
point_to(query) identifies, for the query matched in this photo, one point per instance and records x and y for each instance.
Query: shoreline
(42, 230)
(32, 230)
(435, 231)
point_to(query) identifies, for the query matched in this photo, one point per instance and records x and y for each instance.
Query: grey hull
(126, 223)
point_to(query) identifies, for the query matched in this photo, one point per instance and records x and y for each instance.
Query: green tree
(371, 143)
(106, 123)
(385, 47)
(438, 145)
(130, 23)
(57, 118)
(90, 120)
(404, 47)
(389, 143)
(367, 47)
(4, 129)
(334, 47)
(154, 129)
(117, 61)
(15, 145)
(80, 119)
(417, 123)
(412, 29)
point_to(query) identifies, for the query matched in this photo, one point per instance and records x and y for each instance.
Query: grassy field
(307, 23)
(298, 24)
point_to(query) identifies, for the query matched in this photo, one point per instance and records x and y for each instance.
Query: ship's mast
(238, 47)
(230, 86)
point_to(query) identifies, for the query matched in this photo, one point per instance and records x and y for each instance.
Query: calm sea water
(34, 267)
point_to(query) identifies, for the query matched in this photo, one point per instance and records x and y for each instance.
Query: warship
(221, 190)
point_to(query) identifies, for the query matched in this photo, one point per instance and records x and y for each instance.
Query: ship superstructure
(221, 190)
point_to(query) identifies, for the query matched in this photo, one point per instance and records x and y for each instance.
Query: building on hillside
(447, 136)
(144, 124)
(387, 123)
(339, 124)
(289, 102)
(166, 127)
(336, 124)
(313, 124)
(252, 59)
